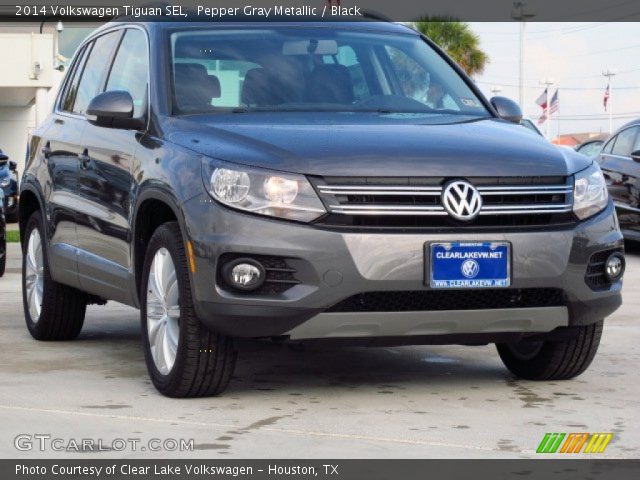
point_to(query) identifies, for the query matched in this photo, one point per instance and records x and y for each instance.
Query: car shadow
(265, 365)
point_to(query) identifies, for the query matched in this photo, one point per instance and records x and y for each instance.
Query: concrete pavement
(409, 402)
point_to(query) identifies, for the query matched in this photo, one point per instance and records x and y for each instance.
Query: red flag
(542, 102)
(606, 98)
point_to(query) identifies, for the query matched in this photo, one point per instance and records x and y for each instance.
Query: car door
(61, 148)
(623, 177)
(59, 143)
(106, 181)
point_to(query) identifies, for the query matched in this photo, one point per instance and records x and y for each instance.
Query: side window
(130, 69)
(69, 95)
(609, 146)
(94, 71)
(636, 147)
(625, 141)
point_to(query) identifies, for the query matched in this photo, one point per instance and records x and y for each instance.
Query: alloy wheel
(34, 275)
(163, 311)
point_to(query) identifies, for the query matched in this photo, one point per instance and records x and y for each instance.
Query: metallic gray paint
(374, 262)
(91, 216)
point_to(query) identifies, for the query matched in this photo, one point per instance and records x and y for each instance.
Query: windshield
(313, 69)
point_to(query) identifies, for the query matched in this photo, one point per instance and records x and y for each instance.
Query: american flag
(606, 98)
(554, 104)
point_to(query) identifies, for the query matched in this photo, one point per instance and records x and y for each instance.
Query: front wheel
(552, 360)
(183, 357)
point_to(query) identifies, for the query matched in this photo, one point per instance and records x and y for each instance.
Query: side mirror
(3, 156)
(113, 109)
(507, 109)
(635, 155)
(13, 166)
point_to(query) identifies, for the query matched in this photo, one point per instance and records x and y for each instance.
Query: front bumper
(333, 266)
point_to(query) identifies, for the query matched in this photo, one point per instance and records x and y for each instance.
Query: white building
(33, 57)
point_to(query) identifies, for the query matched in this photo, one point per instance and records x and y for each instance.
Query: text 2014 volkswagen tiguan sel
(339, 181)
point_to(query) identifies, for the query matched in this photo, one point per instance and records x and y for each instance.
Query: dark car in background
(310, 182)
(3, 236)
(619, 160)
(590, 148)
(9, 186)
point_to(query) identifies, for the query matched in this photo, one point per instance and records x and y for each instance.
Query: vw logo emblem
(470, 268)
(461, 200)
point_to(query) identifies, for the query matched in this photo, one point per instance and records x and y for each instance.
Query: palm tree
(457, 39)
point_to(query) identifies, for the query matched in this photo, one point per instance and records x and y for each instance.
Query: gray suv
(315, 182)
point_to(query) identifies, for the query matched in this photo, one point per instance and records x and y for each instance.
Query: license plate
(468, 264)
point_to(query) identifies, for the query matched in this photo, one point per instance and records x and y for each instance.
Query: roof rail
(374, 15)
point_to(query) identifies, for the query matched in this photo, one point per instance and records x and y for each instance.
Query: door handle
(84, 159)
(46, 150)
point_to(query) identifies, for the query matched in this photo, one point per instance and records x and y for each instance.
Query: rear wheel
(3, 258)
(53, 311)
(553, 360)
(183, 357)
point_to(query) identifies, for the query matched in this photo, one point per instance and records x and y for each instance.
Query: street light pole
(610, 73)
(521, 66)
(521, 13)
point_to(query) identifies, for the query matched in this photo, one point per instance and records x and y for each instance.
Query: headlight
(264, 192)
(590, 194)
(5, 182)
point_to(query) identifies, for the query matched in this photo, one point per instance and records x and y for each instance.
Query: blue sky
(574, 55)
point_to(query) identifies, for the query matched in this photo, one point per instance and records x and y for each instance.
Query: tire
(553, 360)
(200, 362)
(62, 308)
(3, 259)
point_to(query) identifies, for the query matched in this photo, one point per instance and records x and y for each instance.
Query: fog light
(614, 267)
(244, 274)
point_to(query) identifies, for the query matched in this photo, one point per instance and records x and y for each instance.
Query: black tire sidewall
(163, 238)
(3, 260)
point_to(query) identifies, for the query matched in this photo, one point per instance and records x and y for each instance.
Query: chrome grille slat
(407, 210)
(382, 192)
(524, 192)
(387, 207)
(526, 198)
(485, 190)
(378, 187)
(513, 188)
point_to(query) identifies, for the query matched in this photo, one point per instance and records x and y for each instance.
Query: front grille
(279, 275)
(431, 300)
(406, 202)
(595, 277)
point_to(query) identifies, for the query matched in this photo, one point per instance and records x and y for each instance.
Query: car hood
(367, 144)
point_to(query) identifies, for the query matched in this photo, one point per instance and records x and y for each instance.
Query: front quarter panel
(167, 173)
